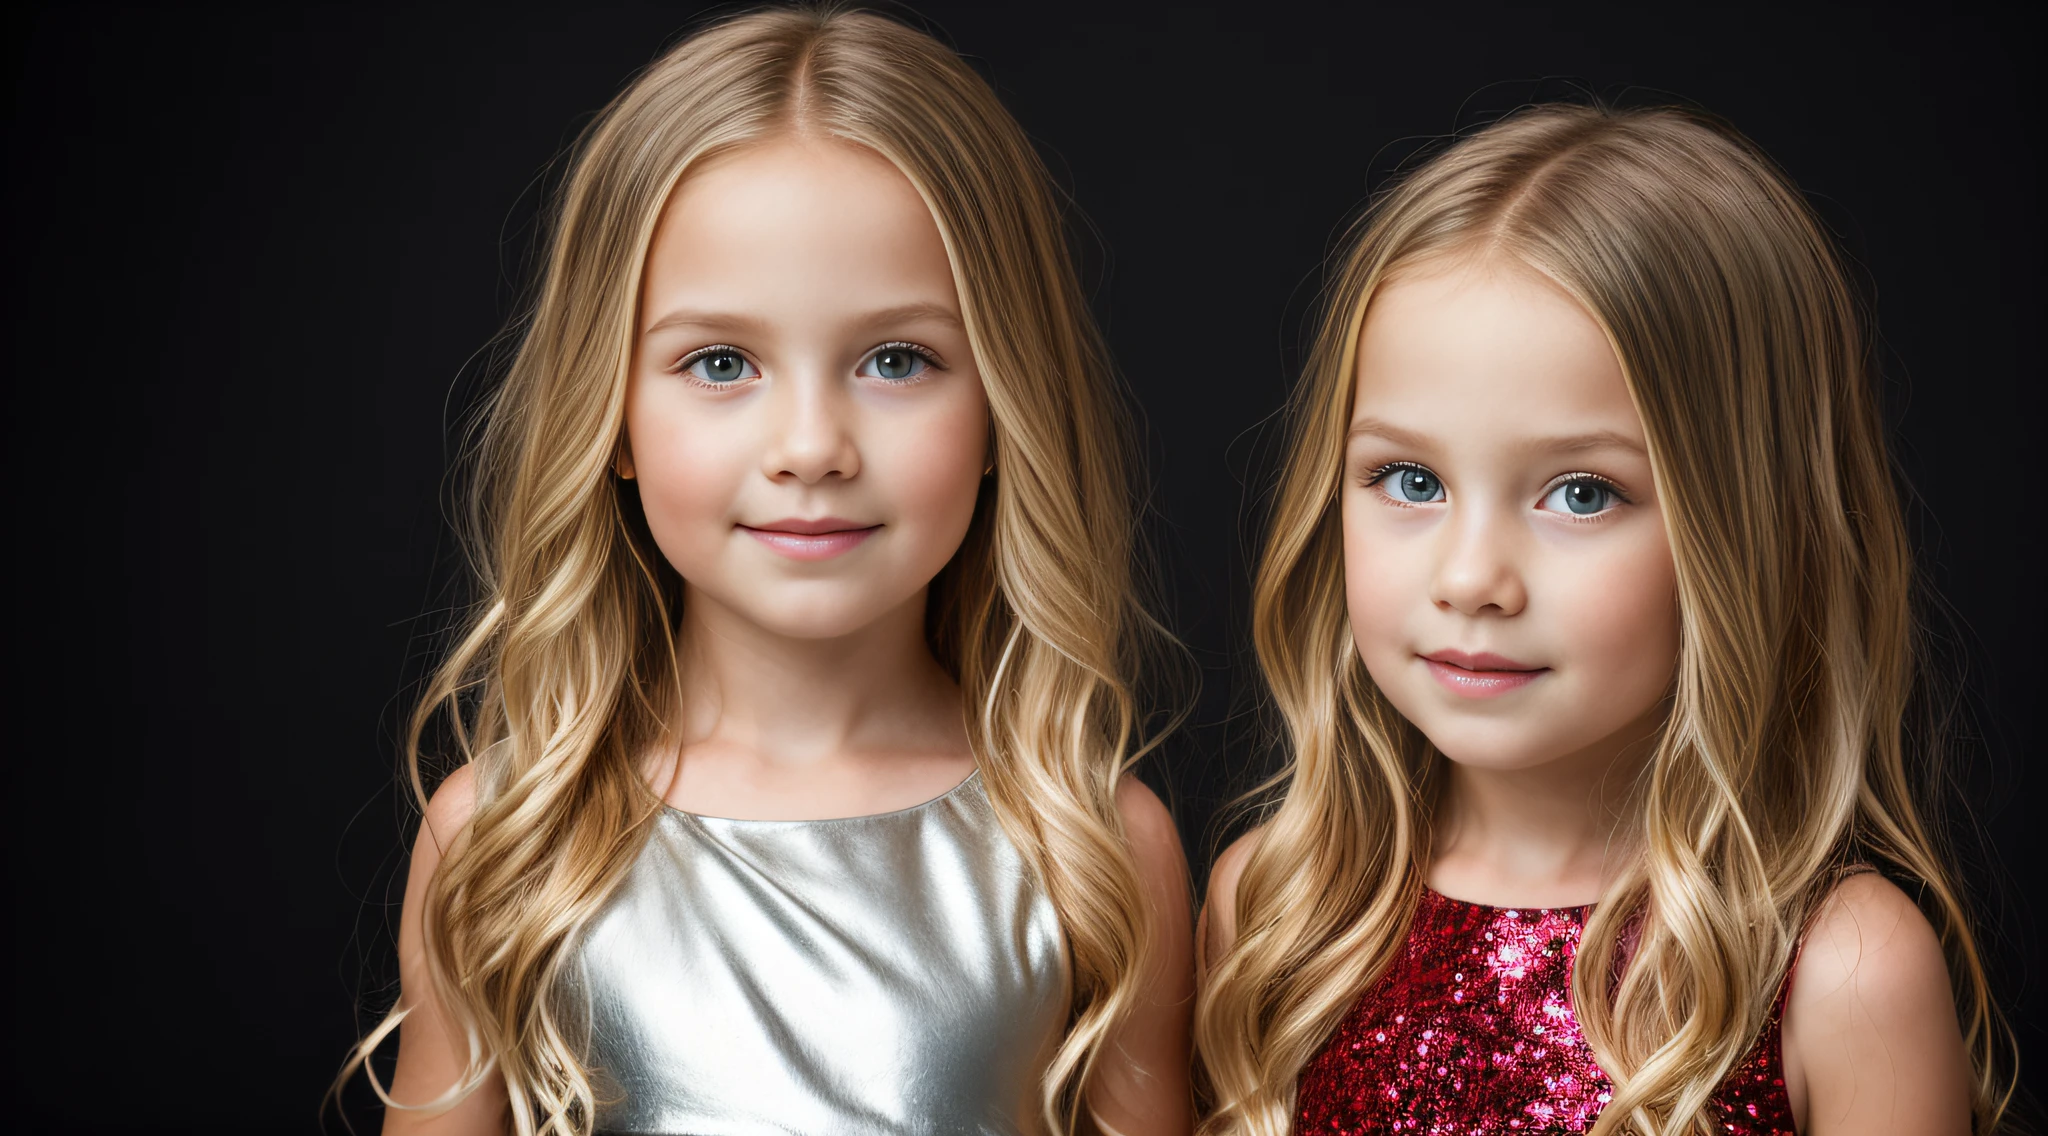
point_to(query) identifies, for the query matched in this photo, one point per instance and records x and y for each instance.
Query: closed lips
(819, 539)
(1480, 675)
(1479, 661)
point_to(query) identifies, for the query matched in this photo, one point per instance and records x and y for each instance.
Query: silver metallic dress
(897, 973)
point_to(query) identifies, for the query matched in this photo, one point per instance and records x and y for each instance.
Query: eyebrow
(739, 322)
(1561, 444)
(1386, 431)
(1593, 440)
(716, 321)
(910, 313)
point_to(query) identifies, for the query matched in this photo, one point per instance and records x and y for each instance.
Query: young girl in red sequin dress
(1585, 608)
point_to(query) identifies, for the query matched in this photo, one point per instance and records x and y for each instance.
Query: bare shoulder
(448, 810)
(432, 1049)
(1869, 936)
(1219, 913)
(1871, 1041)
(1230, 869)
(1155, 839)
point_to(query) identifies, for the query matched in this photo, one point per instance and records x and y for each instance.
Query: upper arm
(1871, 1041)
(432, 1048)
(1218, 929)
(1142, 1085)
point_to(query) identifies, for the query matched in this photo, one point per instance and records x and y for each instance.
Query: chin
(815, 613)
(1490, 744)
(1496, 757)
(1507, 745)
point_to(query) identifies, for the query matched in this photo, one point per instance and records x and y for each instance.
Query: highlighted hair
(1783, 760)
(557, 688)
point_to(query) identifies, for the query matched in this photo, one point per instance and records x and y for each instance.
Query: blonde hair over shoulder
(557, 687)
(1783, 759)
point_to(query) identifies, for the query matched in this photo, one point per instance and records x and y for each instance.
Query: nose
(1477, 571)
(812, 437)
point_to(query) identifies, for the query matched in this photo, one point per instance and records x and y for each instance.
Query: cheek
(928, 467)
(1624, 630)
(1382, 584)
(688, 469)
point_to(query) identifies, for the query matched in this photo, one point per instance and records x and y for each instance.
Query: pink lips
(1481, 675)
(821, 539)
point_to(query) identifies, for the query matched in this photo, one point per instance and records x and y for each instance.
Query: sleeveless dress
(897, 973)
(1471, 1031)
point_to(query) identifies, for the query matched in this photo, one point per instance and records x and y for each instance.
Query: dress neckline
(1579, 909)
(973, 778)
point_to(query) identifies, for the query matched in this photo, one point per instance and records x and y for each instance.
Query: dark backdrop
(252, 258)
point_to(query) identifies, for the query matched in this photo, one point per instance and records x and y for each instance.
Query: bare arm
(1871, 1041)
(1141, 1085)
(432, 1052)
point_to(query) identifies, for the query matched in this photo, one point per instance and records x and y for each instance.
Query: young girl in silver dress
(795, 713)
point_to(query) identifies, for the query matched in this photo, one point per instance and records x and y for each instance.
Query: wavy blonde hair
(558, 687)
(1782, 761)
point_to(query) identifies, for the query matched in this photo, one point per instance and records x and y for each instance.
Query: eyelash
(1380, 474)
(682, 365)
(931, 357)
(1594, 477)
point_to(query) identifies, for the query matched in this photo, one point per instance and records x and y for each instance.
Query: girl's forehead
(1487, 346)
(790, 191)
(799, 229)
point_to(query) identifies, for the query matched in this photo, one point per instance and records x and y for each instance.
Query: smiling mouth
(1481, 675)
(811, 540)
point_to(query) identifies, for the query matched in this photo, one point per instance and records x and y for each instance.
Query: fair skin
(1511, 590)
(808, 432)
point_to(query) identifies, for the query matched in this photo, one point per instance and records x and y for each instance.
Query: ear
(622, 461)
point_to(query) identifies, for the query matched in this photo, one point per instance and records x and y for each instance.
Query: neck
(795, 702)
(1542, 835)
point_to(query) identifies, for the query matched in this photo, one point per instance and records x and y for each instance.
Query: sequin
(1471, 1032)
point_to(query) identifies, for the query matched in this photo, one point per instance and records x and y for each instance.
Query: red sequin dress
(1471, 1032)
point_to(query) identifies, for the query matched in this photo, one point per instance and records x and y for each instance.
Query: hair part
(1783, 760)
(561, 683)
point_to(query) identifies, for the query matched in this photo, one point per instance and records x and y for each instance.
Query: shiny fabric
(898, 973)
(1471, 1032)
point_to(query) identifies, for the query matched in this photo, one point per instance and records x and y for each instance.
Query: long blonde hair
(558, 687)
(1782, 761)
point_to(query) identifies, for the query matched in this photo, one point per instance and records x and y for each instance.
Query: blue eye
(719, 366)
(896, 362)
(1581, 497)
(1413, 484)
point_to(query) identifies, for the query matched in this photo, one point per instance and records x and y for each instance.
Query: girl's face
(804, 416)
(1509, 582)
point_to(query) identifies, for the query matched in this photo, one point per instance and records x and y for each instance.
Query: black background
(252, 259)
